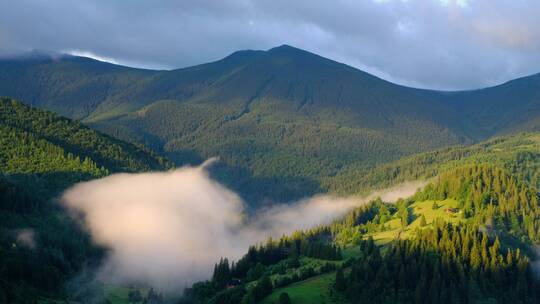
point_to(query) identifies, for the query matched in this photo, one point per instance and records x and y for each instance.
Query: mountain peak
(287, 49)
(243, 54)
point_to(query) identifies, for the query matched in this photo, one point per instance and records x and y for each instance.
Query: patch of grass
(119, 294)
(314, 290)
(418, 209)
(425, 208)
(350, 252)
(305, 263)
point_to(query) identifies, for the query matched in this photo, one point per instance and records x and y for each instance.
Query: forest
(479, 251)
(471, 231)
(41, 154)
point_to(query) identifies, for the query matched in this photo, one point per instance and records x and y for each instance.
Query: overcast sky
(429, 43)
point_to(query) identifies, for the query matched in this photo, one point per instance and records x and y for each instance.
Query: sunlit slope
(41, 154)
(519, 154)
(477, 218)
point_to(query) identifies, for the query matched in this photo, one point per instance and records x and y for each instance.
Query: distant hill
(506, 108)
(281, 120)
(519, 154)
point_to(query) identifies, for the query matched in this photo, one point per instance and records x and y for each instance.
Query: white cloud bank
(168, 229)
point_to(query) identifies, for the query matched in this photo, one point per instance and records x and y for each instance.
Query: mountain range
(281, 120)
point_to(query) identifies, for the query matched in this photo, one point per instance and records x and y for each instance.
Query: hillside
(283, 116)
(283, 121)
(468, 237)
(41, 154)
(485, 192)
(506, 108)
(519, 154)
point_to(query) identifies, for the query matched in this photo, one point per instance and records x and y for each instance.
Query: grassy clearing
(418, 209)
(119, 295)
(314, 290)
(425, 208)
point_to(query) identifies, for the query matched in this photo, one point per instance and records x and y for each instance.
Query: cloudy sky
(443, 44)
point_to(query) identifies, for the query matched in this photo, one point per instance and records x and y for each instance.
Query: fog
(167, 229)
(26, 237)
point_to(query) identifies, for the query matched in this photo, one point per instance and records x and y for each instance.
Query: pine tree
(423, 222)
(263, 288)
(340, 280)
(284, 298)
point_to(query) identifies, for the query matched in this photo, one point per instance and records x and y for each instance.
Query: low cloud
(26, 237)
(167, 229)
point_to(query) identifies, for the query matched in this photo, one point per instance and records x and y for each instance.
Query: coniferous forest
(41, 154)
(482, 252)
(468, 236)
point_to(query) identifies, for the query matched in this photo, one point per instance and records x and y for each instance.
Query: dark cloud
(444, 44)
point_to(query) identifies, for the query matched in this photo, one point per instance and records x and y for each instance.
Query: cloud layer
(475, 43)
(167, 229)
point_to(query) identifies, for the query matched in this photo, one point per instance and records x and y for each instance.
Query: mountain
(506, 108)
(281, 120)
(41, 154)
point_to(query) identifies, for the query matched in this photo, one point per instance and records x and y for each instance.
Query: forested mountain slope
(506, 108)
(287, 102)
(41, 154)
(68, 85)
(285, 118)
(468, 237)
(519, 154)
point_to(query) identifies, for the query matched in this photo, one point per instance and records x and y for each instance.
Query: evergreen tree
(284, 298)
(340, 280)
(423, 221)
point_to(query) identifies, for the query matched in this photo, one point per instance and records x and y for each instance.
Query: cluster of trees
(259, 282)
(76, 139)
(248, 280)
(445, 264)
(152, 297)
(492, 196)
(368, 218)
(313, 243)
(223, 289)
